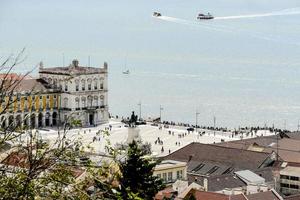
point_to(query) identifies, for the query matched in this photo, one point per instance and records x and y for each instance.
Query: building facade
(171, 171)
(290, 180)
(83, 91)
(59, 94)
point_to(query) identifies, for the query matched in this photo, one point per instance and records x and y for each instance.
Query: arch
(40, 120)
(95, 84)
(96, 102)
(77, 84)
(54, 118)
(47, 119)
(32, 120)
(60, 83)
(89, 81)
(26, 120)
(3, 121)
(50, 80)
(83, 84)
(101, 83)
(102, 100)
(66, 86)
(65, 105)
(83, 101)
(11, 120)
(55, 82)
(18, 121)
(77, 104)
(90, 101)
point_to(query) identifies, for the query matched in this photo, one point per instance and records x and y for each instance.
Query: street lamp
(160, 109)
(197, 113)
(214, 125)
(140, 109)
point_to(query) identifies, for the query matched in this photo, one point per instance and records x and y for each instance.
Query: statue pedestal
(133, 134)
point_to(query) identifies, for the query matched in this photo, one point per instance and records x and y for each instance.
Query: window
(284, 185)
(66, 86)
(65, 102)
(77, 102)
(284, 177)
(60, 84)
(95, 84)
(179, 174)
(170, 178)
(294, 186)
(165, 177)
(83, 101)
(294, 178)
(41, 97)
(55, 82)
(89, 84)
(82, 85)
(77, 85)
(101, 85)
(95, 101)
(102, 100)
(159, 175)
(212, 170)
(90, 101)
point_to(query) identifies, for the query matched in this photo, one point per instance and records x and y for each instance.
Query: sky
(243, 70)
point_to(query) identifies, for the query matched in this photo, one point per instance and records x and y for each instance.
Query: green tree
(137, 174)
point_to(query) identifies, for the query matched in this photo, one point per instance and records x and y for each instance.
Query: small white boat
(126, 72)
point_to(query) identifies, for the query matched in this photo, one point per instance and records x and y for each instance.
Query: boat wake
(208, 25)
(293, 11)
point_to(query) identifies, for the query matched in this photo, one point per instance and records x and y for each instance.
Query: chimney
(105, 65)
(41, 65)
(205, 184)
(75, 63)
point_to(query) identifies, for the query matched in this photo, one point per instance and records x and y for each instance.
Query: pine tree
(137, 174)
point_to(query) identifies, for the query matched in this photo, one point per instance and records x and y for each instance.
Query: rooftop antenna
(89, 61)
(277, 148)
(214, 125)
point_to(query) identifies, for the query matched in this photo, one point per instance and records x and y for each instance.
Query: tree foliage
(137, 174)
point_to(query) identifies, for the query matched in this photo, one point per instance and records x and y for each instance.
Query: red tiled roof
(16, 159)
(201, 195)
(165, 193)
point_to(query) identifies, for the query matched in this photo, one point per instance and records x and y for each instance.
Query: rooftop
(250, 177)
(73, 68)
(291, 171)
(230, 157)
(167, 164)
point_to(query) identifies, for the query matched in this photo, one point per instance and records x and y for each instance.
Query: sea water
(242, 67)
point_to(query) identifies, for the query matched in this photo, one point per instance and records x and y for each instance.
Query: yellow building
(33, 103)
